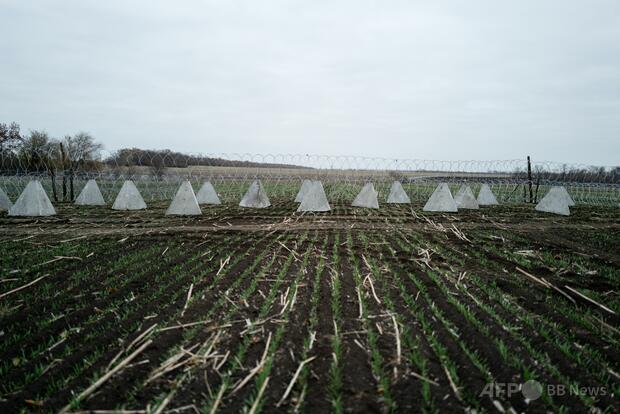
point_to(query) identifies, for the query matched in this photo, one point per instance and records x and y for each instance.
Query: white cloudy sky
(457, 79)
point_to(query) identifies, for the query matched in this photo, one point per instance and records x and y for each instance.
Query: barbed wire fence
(158, 174)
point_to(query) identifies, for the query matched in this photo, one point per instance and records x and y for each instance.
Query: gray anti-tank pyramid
(441, 200)
(305, 186)
(465, 198)
(486, 196)
(564, 193)
(33, 201)
(184, 202)
(129, 198)
(554, 202)
(207, 194)
(90, 195)
(315, 198)
(5, 201)
(397, 194)
(367, 197)
(255, 197)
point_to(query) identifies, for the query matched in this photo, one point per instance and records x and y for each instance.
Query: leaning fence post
(52, 173)
(71, 184)
(529, 177)
(64, 172)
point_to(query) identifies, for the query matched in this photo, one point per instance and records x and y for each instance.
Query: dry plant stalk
(217, 401)
(131, 345)
(359, 301)
(290, 251)
(107, 376)
(259, 396)
(23, 286)
(418, 376)
(290, 384)
(189, 296)
(397, 334)
(254, 370)
(458, 233)
(546, 284)
(457, 393)
(581, 295)
(372, 288)
(170, 364)
(222, 264)
(57, 258)
(436, 226)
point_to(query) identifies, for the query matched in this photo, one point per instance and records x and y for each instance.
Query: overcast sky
(404, 79)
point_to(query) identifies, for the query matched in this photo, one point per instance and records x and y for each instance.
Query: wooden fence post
(529, 178)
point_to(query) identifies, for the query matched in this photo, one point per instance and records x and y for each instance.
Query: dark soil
(99, 279)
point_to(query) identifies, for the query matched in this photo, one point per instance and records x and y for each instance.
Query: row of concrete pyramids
(556, 201)
(311, 196)
(442, 200)
(34, 201)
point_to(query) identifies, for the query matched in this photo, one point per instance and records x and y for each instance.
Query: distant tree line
(159, 160)
(578, 175)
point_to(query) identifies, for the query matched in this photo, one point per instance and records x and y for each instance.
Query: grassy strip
(376, 360)
(236, 362)
(41, 262)
(127, 306)
(56, 301)
(301, 386)
(36, 325)
(419, 312)
(191, 333)
(254, 400)
(514, 332)
(335, 369)
(411, 342)
(122, 309)
(135, 388)
(556, 334)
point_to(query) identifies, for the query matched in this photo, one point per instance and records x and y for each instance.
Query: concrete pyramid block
(207, 194)
(562, 191)
(129, 198)
(465, 198)
(184, 202)
(554, 202)
(255, 197)
(33, 201)
(5, 201)
(90, 195)
(397, 194)
(315, 198)
(441, 200)
(486, 196)
(305, 187)
(367, 197)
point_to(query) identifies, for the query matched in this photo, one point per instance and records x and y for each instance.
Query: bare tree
(10, 137)
(82, 147)
(75, 151)
(38, 152)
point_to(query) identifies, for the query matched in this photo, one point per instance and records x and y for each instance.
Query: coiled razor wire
(158, 174)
